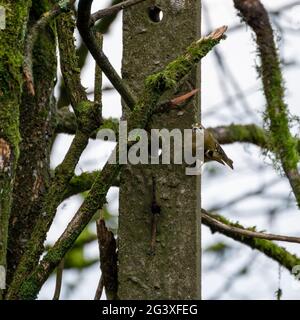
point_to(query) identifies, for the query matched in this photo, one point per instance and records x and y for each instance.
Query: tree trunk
(11, 79)
(169, 268)
(37, 124)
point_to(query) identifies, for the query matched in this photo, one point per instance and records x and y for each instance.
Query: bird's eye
(210, 153)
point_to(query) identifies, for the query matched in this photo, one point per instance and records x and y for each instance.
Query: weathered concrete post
(173, 272)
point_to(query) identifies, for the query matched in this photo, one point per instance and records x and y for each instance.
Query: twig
(270, 249)
(245, 232)
(181, 99)
(83, 24)
(98, 75)
(168, 104)
(103, 27)
(112, 10)
(276, 12)
(58, 284)
(82, 183)
(108, 259)
(249, 133)
(65, 121)
(99, 289)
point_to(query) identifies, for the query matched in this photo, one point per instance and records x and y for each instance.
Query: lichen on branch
(267, 247)
(281, 141)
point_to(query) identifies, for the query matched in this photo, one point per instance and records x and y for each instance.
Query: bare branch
(270, 249)
(244, 232)
(181, 99)
(83, 24)
(58, 284)
(99, 289)
(98, 75)
(113, 10)
(108, 259)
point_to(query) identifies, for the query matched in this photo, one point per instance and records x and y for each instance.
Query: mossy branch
(82, 183)
(281, 141)
(88, 120)
(32, 36)
(37, 124)
(177, 69)
(97, 195)
(267, 247)
(66, 122)
(11, 58)
(248, 233)
(247, 133)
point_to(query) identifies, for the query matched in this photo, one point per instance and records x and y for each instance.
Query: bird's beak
(229, 162)
(219, 160)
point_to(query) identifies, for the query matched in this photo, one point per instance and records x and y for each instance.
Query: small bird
(212, 149)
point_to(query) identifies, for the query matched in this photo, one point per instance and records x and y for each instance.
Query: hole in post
(155, 14)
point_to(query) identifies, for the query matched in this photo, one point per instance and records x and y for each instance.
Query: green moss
(276, 118)
(42, 6)
(88, 116)
(81, 183)
(251, 133)
(111, 123)
(276, 253)
(168, 78)
(219, 247)
(267, 247)
(11, 77)
(11, 46)
(11, 80)
(29, 290)
(200, 49)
